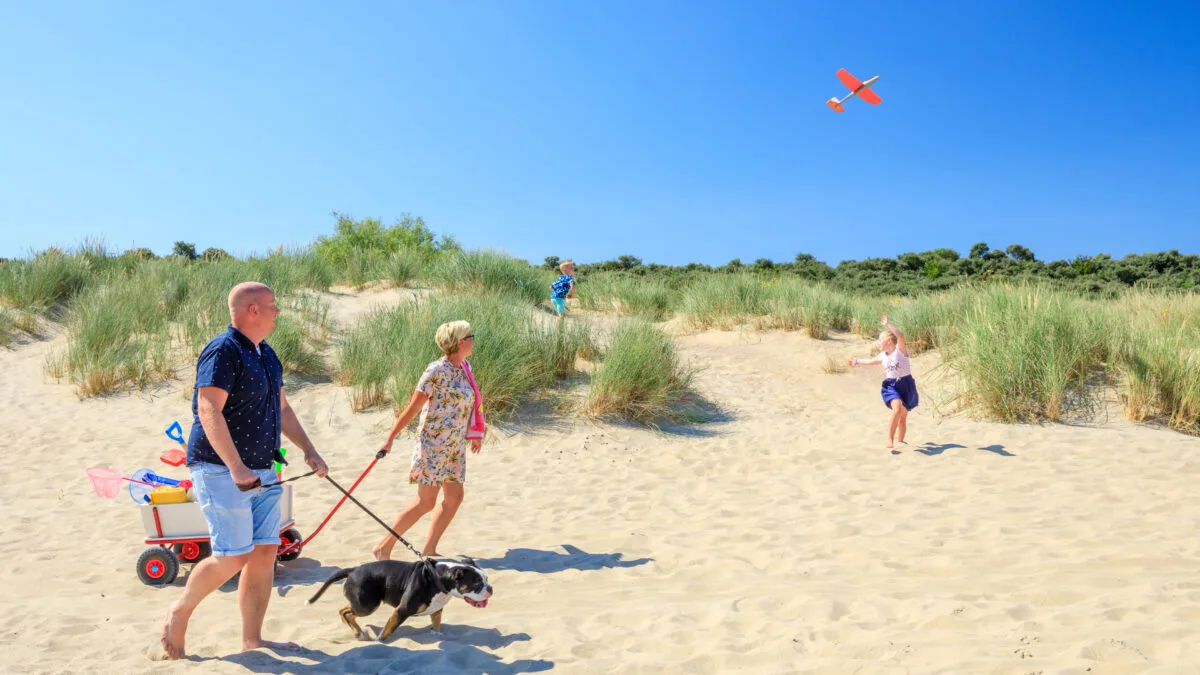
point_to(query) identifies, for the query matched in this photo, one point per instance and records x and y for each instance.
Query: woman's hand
(386, 447)
(476, 444)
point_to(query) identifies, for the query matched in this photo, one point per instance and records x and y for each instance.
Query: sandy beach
(782, 538)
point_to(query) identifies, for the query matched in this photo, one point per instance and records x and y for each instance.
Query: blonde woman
(447, 398)
(899, 389)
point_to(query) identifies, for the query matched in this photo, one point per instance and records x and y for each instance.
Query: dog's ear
(457, 574)
(468, 560)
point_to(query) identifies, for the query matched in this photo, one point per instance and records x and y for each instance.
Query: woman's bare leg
(452, 497)
(426, 498)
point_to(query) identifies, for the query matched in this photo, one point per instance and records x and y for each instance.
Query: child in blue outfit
(563, 288)
(899, 389)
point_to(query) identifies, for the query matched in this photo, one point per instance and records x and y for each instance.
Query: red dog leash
(293, 546)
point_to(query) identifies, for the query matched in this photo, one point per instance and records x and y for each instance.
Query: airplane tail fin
(833, 103)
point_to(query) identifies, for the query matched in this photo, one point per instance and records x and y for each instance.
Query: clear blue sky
(676, 131)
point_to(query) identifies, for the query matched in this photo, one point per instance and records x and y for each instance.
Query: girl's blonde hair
(450, 336)
(562, 266)
(884, 335)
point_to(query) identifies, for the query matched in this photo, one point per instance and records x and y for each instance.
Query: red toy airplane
(861, 89)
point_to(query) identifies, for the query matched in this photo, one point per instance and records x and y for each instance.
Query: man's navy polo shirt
(252, 410)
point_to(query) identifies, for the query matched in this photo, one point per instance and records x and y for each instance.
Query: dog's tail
(337, 576)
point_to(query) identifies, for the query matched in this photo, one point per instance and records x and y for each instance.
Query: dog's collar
(437, 581)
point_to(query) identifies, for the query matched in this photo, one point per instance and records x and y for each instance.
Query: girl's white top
(896, 363)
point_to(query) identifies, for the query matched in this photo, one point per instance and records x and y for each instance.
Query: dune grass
(485, 271)
(814, 308)
(647, 297)
(640, 377)
(8, 326)
(117, 339)
(1018, 352)
(405, 267)
(121, 331)
(723, 301)
(1152, 345)
(515, 355)
(1025, 354)
(48, 279)
(833, 365)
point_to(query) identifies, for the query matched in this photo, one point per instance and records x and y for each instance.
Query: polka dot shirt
(252, 377)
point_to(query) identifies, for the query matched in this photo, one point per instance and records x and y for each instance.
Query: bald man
(239, 411)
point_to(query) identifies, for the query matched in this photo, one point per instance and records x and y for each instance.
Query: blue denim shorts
(237, 521)
(560, 305)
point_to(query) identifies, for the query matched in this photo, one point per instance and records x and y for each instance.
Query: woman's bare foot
(381, 553)
(277, 646)
(174, 630)
(431, 554)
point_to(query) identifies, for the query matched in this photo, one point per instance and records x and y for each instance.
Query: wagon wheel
(286, 538)
(192, 551)
(157, 566)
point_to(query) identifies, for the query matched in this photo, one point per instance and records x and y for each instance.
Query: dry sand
(781, 539)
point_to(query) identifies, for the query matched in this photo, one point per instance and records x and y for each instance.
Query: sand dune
(784, 539)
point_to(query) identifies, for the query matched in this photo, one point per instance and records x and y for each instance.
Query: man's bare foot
(277, 646)
(174, 630)
(381, 553)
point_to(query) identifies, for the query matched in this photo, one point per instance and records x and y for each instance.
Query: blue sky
(676, 131)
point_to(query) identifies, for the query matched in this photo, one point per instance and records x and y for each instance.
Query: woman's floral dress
(440, 452)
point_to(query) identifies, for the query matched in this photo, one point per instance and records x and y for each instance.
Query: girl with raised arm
(899, 389)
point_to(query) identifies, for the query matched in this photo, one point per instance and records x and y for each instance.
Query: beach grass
(1154, 348)
(118, 338)
(8, 326)
(1024, 354)
(121, 332)
(1017, 351)
(405, 267)
(833, 365)
(487, 271)
(516, 355)
(647, 297)
(641, 376)
(723, 301)
(48, 279)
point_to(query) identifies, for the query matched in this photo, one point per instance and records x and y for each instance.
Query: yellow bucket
(168, 495)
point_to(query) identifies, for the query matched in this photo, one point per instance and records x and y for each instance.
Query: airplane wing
(849, 80)
(869, 96)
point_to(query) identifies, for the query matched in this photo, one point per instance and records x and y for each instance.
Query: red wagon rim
(155, 569)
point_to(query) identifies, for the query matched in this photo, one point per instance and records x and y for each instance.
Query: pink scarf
(477, 427)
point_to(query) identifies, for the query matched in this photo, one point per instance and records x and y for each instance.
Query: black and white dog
(414, 588)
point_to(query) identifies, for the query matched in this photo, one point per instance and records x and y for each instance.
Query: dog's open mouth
(475, 603)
